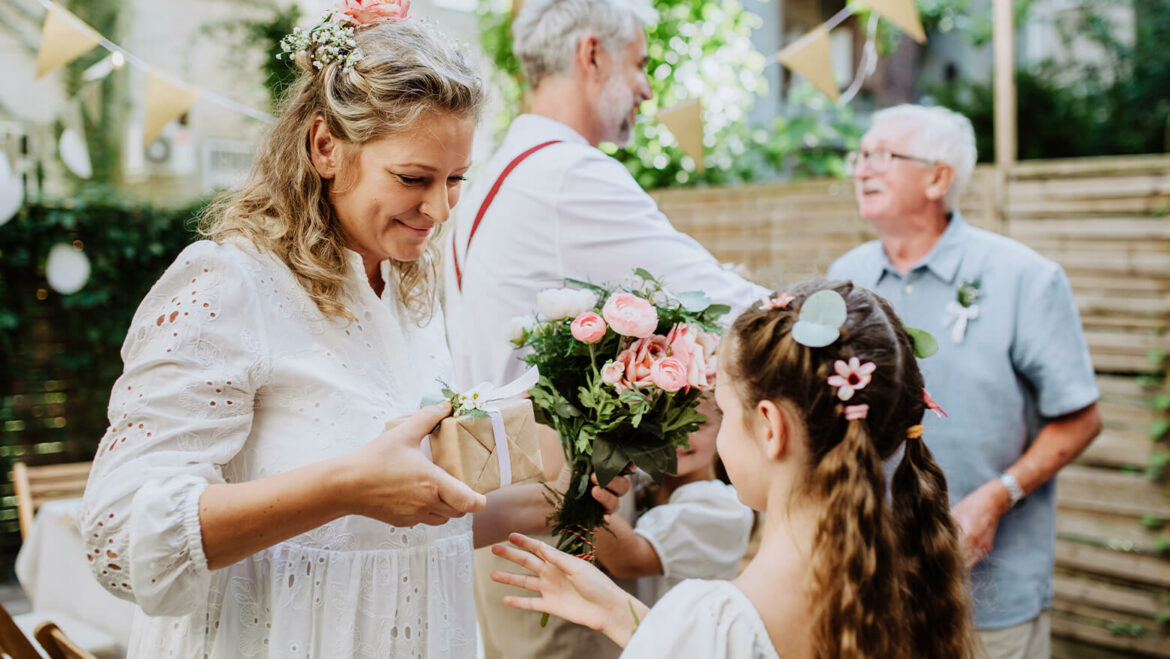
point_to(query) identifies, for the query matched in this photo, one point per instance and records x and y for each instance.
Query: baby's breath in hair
(331, 40)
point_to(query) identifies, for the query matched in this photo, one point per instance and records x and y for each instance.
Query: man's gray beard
(615, 95)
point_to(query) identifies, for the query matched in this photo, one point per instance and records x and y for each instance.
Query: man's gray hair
(546, 33)
(941, 135)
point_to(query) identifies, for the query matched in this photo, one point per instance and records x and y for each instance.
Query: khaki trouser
(1028, 640)
(510, 633)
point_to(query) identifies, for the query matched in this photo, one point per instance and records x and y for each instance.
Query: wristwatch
(1013, 488)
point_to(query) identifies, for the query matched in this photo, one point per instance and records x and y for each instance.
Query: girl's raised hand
(569, 588)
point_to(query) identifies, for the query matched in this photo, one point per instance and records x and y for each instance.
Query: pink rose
(696, 350)
(630, 315)
(612, 373)
(365, 12)
(639, 359)
(669, 374)
(588, 327)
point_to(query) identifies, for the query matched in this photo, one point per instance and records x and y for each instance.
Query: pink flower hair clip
(855, 412)
(851, 377)
(780, 301)
(931, 405)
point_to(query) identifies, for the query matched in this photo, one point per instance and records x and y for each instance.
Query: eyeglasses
(879, 161)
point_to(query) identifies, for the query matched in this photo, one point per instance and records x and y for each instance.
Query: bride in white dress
(246, 495)
(846, 566)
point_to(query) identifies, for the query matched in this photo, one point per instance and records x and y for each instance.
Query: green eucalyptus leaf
(820, 320)
(925, 344)
(716, 311)
(694, 301)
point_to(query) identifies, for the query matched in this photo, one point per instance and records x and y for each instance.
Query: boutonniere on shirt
(962, 310)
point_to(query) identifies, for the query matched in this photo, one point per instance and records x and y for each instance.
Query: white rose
(558, 303)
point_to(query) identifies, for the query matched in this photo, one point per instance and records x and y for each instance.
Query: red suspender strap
(487, 201)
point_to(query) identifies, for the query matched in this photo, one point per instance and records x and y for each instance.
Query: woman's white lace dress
(232, 374)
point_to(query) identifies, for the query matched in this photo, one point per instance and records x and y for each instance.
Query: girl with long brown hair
(849, 565)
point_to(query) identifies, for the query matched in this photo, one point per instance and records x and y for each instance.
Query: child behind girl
(846, 567)
(691, 527)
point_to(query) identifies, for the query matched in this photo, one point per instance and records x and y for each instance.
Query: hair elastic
(915, 431)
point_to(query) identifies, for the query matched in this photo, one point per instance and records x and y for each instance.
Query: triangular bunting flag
(165, 102)
(685, 122)
(810, 57)
(63, 38)
(902, 13)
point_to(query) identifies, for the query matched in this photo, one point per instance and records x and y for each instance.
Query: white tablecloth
(54, 573)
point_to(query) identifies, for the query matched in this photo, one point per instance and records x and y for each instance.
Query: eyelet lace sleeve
(180, 411)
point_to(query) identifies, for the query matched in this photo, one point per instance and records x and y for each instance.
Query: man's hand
(978, 516)
(609, 496)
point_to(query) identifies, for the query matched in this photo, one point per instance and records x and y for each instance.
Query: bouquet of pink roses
(621, 374)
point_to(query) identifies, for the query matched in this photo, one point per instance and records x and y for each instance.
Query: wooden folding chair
(13, 642)
(34, 486)
(57, 645)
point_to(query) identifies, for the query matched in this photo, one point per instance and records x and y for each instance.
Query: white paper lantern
(11, 191)
(75, 153)
(67, 269)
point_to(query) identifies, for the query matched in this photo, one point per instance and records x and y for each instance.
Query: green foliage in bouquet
(615, 399)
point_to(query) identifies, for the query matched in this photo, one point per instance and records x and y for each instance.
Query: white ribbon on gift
(488, 401)
(960, 316)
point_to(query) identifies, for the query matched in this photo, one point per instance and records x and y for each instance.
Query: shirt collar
(533, 125)
(943, 259)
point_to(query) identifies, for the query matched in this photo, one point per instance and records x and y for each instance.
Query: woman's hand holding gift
(569, 588)
(392, 480)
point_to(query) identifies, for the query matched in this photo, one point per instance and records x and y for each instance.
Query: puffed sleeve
(193, 361)
(709, 619)
(702, 533)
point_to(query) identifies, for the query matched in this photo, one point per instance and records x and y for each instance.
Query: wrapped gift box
(465, 446)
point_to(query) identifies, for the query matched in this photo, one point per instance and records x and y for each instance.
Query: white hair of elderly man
(940, 135)
(546, 33)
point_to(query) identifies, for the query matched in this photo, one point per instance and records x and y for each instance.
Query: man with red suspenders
(551, 205)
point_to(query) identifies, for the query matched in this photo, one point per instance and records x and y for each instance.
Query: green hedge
(59, 354)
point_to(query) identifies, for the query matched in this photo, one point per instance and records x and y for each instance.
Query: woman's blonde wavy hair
(407, 73)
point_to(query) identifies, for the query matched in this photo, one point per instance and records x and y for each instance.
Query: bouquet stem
(579, 514)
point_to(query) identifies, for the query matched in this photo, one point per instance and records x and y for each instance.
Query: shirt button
(909, 288)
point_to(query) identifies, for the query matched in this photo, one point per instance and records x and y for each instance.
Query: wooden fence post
(1005, 103)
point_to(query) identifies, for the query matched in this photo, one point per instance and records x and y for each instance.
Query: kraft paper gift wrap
(465, 446)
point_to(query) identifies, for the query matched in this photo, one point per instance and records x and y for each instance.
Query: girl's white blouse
(232, 374)
(698, 618)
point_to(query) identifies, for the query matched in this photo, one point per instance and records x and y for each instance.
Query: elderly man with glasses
(1012, 370)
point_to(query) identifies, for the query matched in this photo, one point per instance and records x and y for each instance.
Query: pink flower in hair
(851, 377)
(854, 412)
(780, 301)
(365, 12)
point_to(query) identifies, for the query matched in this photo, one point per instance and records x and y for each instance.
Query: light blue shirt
(1023, 359)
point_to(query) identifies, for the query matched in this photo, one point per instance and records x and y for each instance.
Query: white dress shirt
(569, 210)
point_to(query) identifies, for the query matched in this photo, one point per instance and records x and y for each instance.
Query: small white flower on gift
(851, 377)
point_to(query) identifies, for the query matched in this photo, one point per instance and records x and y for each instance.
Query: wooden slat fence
(1107, 222)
